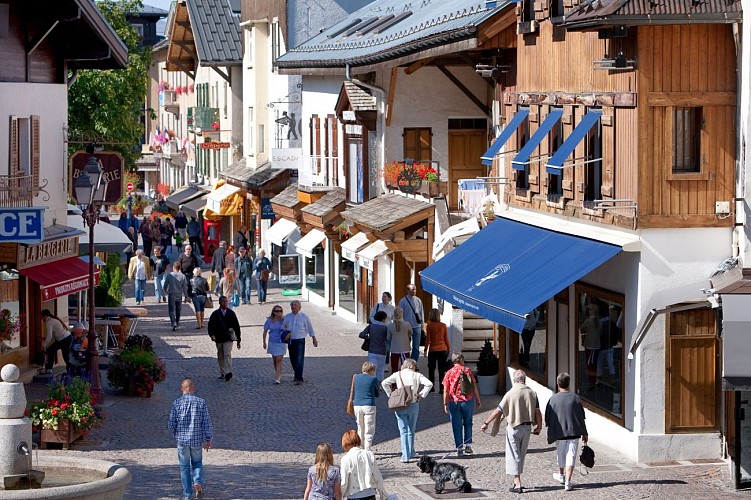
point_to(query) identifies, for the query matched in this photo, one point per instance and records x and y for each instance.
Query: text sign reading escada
(22, 225)
(47, 251)
(286, 158)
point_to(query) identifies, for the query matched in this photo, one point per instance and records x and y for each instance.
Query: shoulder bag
(350, 401)
(208, 303)
(401, 397)
(365, 334)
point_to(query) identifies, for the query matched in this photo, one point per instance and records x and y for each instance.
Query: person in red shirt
(459, 406)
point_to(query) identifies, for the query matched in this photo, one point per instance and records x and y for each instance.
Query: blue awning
(504, 136)
(509, 268)
(525, 152)
(555, 164)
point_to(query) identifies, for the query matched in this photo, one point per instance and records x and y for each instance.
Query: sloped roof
(287, 198)
(203, 33)
(389, 29)
(359, 98)
(600, 13)
(326, 203)
(385, 211)
(250, 178)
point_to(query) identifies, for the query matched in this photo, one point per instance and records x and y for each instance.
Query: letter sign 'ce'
(16, 224)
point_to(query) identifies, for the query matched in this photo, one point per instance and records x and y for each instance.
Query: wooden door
(465, 149)
(692, 368)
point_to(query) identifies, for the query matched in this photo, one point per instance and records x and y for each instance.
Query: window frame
(702, 173)
(555, 140)
(593, 171)
(522, 137)
(421, 153)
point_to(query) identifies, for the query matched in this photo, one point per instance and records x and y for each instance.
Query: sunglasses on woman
(277, 310)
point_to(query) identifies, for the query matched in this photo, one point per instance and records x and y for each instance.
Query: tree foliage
(109, 104)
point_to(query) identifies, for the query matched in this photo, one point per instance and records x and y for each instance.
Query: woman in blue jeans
(459, 406)
(262, 264)
(407, 418)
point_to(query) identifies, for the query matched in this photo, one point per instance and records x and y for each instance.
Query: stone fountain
(15, 435)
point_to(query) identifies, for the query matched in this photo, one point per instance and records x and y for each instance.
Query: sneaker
(568, 486)
(174, 328)
(468, 450)
(459, 452)
(277, 381)
(228, 377)
(558, 477)
(199, 490)
(516, 489)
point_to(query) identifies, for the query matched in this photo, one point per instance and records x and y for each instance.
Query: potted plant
(487, 370)
(9, 327)
(137, 368)
(68, 413)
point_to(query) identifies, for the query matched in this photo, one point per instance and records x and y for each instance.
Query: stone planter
(487, 384)
(429, 189)
(65, 434)
(132, 391)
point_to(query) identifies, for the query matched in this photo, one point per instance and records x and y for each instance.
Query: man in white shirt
(299, 324)
(414, 314)
(139, 270)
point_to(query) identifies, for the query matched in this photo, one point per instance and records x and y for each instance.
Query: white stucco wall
(319, 96)
(50, 103)
(743, 183)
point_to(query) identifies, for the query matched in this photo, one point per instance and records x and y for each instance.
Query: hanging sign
(22, 225)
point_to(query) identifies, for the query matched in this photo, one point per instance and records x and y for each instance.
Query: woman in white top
(407, 418)
(58, 338)
(361, 477)
(384, 305)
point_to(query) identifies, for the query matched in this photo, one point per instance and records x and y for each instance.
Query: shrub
(487, 362)
(137, 368)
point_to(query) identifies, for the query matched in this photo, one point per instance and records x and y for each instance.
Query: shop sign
(289, 269)
(67, 287)
(112, 164)
(215, 145)
(47, 251)
(267, 211)
(22, 225)
(290, 158)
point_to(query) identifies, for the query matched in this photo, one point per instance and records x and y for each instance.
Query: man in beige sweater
(522, 410)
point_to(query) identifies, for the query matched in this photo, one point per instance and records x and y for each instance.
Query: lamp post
(89, 194)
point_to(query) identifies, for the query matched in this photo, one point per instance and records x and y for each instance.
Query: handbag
(587, 457)
(350, 401)
(423, 338)
(285, 336)
(365, 334)
(401, 397)
(235, 301)
(208, 303)
(365, 344)
(265, 274)
(232, 334)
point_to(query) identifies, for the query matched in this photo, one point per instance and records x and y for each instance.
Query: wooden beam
(185, 69)
(392, 92)
(691, 99)
(412, 219)
(465, 90)
(189, 48)
(606, 99)
(222, 74)
(505, 21)
(407, 246)
(185, 25)
(416, 256)
(431, 238)
(417, 65)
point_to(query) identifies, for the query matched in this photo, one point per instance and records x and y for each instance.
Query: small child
(324, 481)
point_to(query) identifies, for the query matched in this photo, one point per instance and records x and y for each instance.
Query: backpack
(466, 384)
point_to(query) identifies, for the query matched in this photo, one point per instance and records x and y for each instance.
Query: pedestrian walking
(57, 338)
(218, 264)
(228, 286)
(188, 261)
(399, 339)
(181, 225)
(272, 331)
(361, 477)
(522, 410)
(160, 267)
(133, 237)
(376, 333)
(324, 479)
(262, 268)
(229, 258)
(364, 391)
(437, 346)
(176, 286)
(156, 234)
(407, 418)
(384, 305)
(244, 266)
(194, 235)
(528, 334)
(200, 291)
(139, 270)
(224, 329)
(414, 314)
(145, 231)
(241, 241)
(190, 424)
(564, 418)
(167, 232)
(299, 324)
(460, 401)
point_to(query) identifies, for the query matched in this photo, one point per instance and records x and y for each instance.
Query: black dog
(443, 472)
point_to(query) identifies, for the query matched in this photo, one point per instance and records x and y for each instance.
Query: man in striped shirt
(190, 423)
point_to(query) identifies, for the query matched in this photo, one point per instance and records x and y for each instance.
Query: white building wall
(319, 95)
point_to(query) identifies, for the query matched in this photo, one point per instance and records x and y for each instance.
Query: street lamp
(90, 193)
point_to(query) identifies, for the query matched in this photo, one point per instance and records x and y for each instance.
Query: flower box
(429, 189)
(65, 434)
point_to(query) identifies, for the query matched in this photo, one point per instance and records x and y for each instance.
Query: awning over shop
(368, 255)
(280, 231)
(352, 245)
(107, 238)
(184, 195)
(522, 158)
(194, 207)
(215, 201)
(61, 277)
(504, 136)
(514, 268)
(308, 242)
(676, 299)
(555, 164)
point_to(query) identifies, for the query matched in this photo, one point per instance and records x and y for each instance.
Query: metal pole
(91, 217)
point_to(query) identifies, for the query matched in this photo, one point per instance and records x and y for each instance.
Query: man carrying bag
(224, 329)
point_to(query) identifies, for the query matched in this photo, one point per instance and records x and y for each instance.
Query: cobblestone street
(265, 435)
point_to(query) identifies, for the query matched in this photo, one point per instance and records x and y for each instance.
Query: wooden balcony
(17, 191)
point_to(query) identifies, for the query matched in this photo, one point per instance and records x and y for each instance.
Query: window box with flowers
(67, 414)
(136, 369)
(411, 178)
(10, 326)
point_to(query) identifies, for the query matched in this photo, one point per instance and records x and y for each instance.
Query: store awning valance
(522, 158)
(224, 200)
(280, 231)
(181, 196)
(504, 136)
(509, 268)
(308, 242)
(368, 255)
(555, 164)
(62, 277)
(194, 207)
(352, 245)
(107, 238)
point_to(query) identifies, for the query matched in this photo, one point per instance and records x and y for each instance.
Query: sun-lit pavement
(265, 435)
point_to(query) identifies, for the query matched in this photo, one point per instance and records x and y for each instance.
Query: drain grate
(449, 492)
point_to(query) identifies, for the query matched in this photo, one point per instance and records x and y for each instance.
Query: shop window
(530, 348)
(599, 352)
(347, 285)
(315, 278)
(522, 137)
(555, 182)
(13, 336)
(593, 167)
(687, 126)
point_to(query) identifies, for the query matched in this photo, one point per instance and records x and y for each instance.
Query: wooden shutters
(35, 152)
(418, 144)
(13, 159)
(691, 363)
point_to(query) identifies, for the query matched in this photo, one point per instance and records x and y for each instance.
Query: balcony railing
(17, 191)
(315, 170)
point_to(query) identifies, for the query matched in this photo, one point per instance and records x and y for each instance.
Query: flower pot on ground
(65, 434)
(487, 370)
(137, 368)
